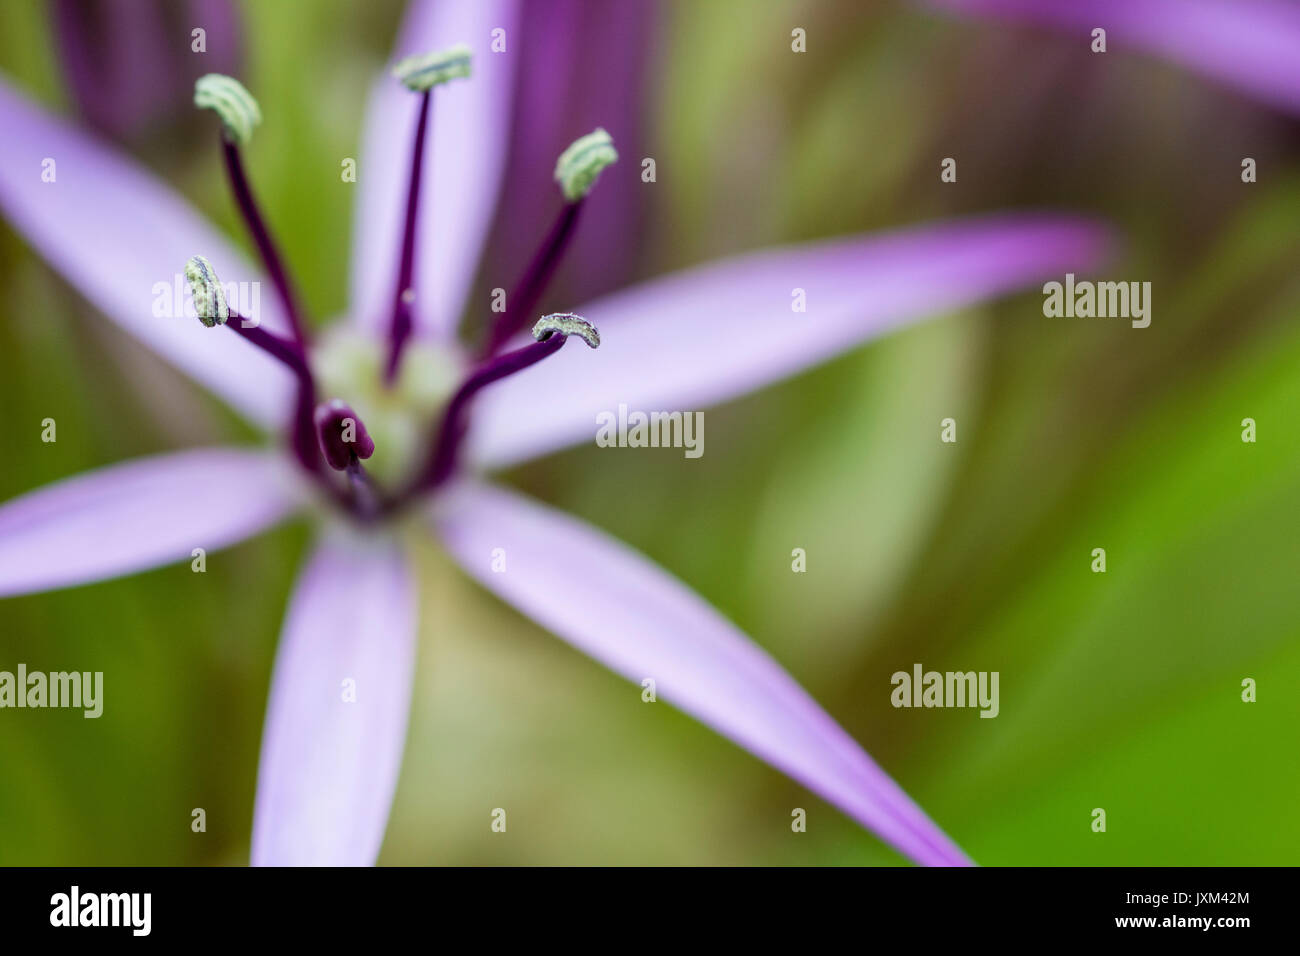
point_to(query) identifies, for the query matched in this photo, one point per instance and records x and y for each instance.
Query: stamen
(523, 300)
(238, 110)
(576, 171)
(342, 435)
(344, 440)
(566, 323)
(579, 166)
(422, 73)
(210, 304)
(209, 297)
(551, 332)
(262, 238)
(219, 92)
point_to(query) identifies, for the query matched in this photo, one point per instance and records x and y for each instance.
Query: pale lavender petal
(115, 231)
(1249, 44)
(563, 45)
(337, 713)
(139, 515)
(711, 333)
(464, 158)
(613, 604)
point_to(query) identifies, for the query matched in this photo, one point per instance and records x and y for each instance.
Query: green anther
(205, 287)
(238, 110)
(421, 73)
(580, 164)
(566, 323)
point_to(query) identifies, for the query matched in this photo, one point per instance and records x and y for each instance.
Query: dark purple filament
(262, 236)
(441, 461)
(279, 348)
(399, 329)
(303, 433)
(528, 292)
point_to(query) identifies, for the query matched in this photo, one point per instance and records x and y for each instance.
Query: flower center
(400, 416)
(388, 417)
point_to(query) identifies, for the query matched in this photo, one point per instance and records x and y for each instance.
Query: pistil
(365, 497)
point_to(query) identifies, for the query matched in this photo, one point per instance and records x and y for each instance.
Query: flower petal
(563, 45)
(709, 334)
(139, 515)
(1249, 44)
(613, 604)
(337, 713)
(464, 159)
(115, 231)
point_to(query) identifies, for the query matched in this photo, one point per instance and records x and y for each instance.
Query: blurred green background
(1119, 691)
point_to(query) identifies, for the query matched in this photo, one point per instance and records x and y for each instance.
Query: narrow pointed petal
(712, 333)
(615, 605)
(338, 708)
(115, 232)
(1247, 44)
(583, 65)
(464, 159)
(139, 515)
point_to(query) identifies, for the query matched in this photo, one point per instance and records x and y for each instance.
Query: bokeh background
(1119, 691)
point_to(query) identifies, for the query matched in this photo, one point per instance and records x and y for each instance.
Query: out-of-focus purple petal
(1248, 44)
(583, 65)
(464, 159)
(337, 713)
(613, 604)
(139, 515)
(115, 232)
(711, 333)
(130, 65)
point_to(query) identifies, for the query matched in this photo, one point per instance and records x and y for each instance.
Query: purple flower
(437, 414)
(1249, 44)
